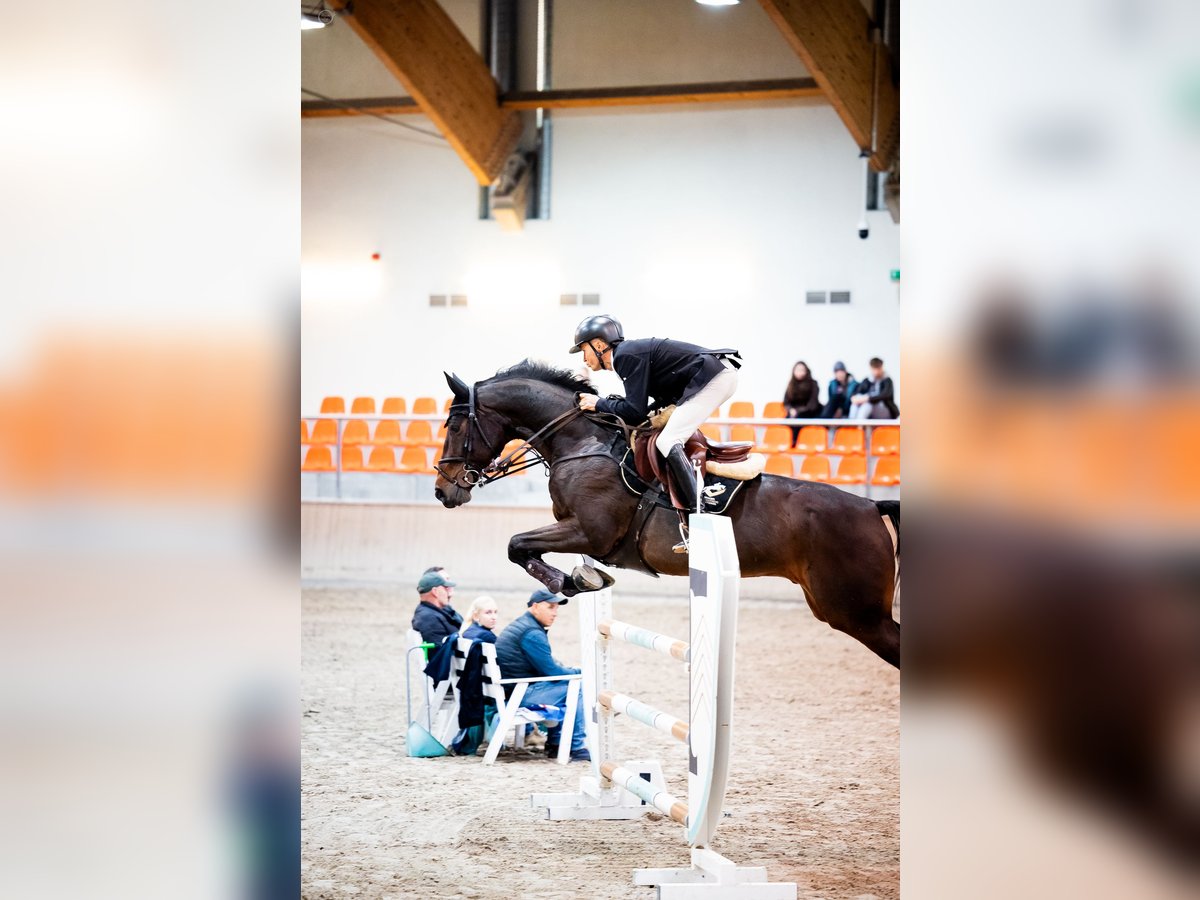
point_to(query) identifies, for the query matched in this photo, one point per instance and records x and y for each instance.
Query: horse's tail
(890, 509)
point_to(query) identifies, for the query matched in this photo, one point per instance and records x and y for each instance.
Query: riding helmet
(606, 328)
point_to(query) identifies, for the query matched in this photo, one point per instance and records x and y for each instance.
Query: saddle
(726, 460)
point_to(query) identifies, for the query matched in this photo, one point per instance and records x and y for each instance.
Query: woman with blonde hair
(480, 620)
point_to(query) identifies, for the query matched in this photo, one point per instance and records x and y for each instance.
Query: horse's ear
(458, 386)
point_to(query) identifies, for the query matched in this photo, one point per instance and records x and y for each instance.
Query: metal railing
(725, 423)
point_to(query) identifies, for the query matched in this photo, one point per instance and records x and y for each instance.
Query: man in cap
(523, 651)
(434, 617)
(695, 379)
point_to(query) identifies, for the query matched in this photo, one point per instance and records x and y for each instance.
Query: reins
(518, 460)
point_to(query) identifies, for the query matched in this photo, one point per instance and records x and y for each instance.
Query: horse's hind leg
(857, 599)
(526, 551)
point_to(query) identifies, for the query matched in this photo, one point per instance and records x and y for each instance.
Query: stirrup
(683, 546)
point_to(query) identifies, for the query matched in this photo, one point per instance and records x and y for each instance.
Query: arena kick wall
(394, 543)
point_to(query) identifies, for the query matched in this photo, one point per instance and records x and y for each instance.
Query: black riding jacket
(669, 371)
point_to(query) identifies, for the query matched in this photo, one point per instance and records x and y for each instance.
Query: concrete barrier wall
(389, 542)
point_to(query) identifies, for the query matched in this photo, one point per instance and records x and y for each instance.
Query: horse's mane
(538, 371)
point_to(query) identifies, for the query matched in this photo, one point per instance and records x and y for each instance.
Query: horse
(831, 543)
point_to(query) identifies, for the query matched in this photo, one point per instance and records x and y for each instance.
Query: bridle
(527, 454)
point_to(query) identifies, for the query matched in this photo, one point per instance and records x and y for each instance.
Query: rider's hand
(587, 402)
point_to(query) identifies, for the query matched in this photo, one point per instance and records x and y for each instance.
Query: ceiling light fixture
(718, 2)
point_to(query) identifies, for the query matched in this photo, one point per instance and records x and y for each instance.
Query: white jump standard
(616, 790)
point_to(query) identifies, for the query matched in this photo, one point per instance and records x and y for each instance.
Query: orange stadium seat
(382, 459)
(887, 471)
(778, 439)
(847, 442)
(333, 405)
(712, 432)
(324, 432)
(424, 406)
(318, 459)
(387, 434)
(741, 409)
(885, 441)
(440, 437)
(352, 460)
(303, 431)
(419, 434)
(780, 464)
(774, 410)
(738, 433)
(447, 404)
(363, 405)
(812, 439)
(355, 433)
(413, 461)
(851, 470)
(814, 468)
(394, 406)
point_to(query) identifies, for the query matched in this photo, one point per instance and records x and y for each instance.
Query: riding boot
(684, 477)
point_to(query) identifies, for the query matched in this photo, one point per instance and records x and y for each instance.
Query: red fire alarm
(375, 256)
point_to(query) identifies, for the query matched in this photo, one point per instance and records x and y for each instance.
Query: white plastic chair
(511, 717)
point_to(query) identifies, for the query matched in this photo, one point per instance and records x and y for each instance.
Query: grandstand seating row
(392, 406)
(411, 460)
(416, 460)
(427, 406)
(851, 469)
(846, 440)
(387, 433)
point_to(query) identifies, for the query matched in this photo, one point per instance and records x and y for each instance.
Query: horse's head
(471, 445)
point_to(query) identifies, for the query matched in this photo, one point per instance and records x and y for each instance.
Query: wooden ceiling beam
(379, 106)
(833, 40)
(586, 98)
(712, 92)
(419, 44)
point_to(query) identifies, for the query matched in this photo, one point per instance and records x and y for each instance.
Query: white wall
(701, 223)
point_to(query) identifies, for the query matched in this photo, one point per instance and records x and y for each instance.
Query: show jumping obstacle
(627, 791)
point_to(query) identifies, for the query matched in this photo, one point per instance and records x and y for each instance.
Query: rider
(696, 379)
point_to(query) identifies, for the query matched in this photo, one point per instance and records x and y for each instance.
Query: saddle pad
(718, 491)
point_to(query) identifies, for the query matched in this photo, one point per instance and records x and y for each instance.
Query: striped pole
(647, 715)
(644, 637)
(641, 788)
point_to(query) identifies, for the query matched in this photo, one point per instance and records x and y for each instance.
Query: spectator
(481, 620)
(873, 398)
(475, 711)
(801, 397)
(841, 389)
(523, 651)
(434, 617)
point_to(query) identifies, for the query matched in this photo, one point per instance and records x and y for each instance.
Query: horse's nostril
(438, 494)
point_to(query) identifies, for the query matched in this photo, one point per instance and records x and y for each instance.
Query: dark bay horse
(832, 543)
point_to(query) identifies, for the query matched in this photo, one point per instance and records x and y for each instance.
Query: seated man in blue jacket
(434, 617)
(523, 651)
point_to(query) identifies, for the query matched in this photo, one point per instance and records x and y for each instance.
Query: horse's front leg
(566, 536)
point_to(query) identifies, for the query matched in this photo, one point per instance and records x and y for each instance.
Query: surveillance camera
(863, 230)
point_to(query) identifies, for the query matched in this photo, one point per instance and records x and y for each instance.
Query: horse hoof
(587, 578)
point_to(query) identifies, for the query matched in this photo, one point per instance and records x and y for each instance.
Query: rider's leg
(689, 416)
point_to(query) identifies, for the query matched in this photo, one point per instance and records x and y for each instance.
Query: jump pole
(616, 790)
